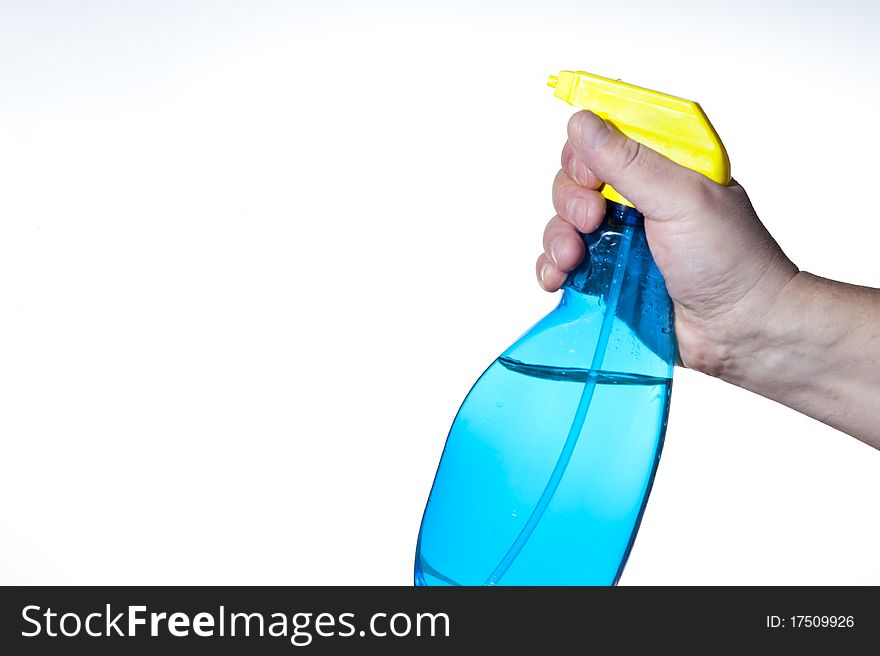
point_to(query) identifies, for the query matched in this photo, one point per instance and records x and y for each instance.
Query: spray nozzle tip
(552, 80)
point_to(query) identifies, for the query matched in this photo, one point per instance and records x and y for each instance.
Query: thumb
(657, 186)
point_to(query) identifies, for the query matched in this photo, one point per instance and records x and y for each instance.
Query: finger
(575, 169)
(549, 277)
(653, 183)
(582, 208)
(563, 244)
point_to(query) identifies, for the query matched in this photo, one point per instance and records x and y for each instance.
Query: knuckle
(738, 195)
(708, 195)
(630, 152)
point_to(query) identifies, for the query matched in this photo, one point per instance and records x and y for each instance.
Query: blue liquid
(502, 448)
(549, 462)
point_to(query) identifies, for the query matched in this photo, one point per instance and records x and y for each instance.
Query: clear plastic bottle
(549, 462)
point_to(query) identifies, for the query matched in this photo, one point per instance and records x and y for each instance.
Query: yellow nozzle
(672, 126)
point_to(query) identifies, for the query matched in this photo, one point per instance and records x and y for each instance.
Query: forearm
(817, 350)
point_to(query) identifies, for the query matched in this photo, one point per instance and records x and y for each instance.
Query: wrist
(737, 343)
(806, 342)
(762, 349)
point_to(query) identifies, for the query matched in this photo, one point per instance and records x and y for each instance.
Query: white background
(253, 255)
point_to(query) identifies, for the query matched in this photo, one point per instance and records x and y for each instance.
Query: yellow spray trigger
(672, 126)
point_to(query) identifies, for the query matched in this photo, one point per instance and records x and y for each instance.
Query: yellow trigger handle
(672, 126)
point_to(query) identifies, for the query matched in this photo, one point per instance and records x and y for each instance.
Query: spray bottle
(550, 460)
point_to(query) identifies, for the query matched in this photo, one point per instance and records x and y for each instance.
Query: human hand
(722, 268)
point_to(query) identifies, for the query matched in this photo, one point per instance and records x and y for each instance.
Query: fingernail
(575, 171)
(576, 208)
(553, 252)
(544, 270)
(591, 130)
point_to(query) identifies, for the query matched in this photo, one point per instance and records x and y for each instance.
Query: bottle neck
(617, 214)
(592, 275)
